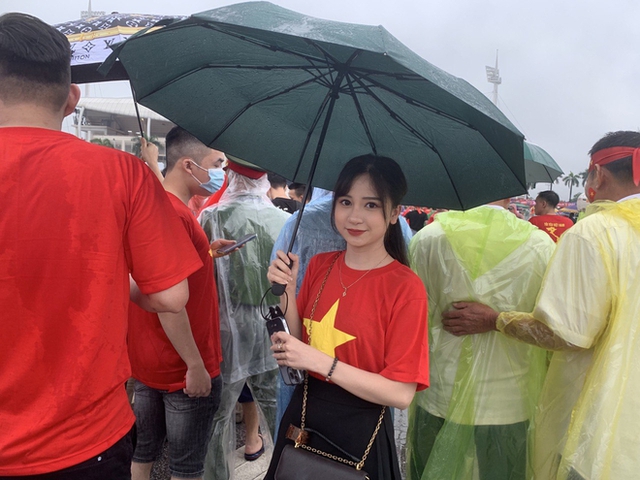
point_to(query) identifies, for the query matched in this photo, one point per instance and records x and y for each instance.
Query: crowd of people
(513, 343)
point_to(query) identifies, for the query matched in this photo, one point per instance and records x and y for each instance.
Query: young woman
(366, 314)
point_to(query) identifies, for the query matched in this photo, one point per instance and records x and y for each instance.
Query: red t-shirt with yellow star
(380, 325)
(554, 225)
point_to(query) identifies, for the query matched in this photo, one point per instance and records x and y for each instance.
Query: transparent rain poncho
(242, 281)
(242, 276)
(586, 424)
(483, 388)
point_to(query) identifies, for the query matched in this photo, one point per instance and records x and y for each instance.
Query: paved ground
(244, 470)
(251, 470)
(256, 470)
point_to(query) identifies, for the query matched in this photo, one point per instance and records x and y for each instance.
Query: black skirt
(346, 420)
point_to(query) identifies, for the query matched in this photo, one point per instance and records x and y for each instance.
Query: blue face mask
(216, 179)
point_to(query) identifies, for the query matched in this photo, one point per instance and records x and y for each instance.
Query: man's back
(490, 256)
(483, 386)
(76, 219)
(554, 225)
(242, 281)
(594, 390)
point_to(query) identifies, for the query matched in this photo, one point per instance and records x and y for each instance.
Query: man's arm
(471, 318)
(171, 300)
(178, 330)
(149, 152)
(524, 327)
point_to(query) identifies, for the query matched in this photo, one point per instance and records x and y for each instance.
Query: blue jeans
(284, 393)
(187, 424)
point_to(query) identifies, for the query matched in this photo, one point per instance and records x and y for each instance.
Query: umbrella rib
(330, 59)
(331, 97)
(321, 110)
(316, 78)
(363, 120)
(417, 103)
(264, 99)
(397, 117)
(258, 43)
(411, 130)
(260, 67)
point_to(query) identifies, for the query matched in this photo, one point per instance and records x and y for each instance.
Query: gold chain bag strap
(303, 462)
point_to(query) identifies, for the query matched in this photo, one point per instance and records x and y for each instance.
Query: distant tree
(575, 196)
(135, 145)
(571, 180)
(583, 176)
(105, 142)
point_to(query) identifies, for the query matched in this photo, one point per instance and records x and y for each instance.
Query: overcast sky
(570, 69)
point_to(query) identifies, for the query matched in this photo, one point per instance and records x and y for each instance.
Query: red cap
(244, 170)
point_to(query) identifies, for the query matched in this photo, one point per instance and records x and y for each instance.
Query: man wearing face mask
(178, 382)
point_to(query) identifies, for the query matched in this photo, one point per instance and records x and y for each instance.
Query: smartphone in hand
(239, 243)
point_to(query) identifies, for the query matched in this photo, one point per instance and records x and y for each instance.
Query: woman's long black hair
(390, 185)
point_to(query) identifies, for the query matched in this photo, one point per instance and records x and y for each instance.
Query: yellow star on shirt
(324, 335)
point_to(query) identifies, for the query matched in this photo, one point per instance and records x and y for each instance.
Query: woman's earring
(591, 193)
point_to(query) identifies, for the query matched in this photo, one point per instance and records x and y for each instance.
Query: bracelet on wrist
(333, 367)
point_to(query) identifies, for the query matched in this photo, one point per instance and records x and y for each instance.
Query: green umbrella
(539, 166)
(288, 92)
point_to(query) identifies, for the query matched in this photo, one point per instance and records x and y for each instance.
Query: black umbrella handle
(276, 288)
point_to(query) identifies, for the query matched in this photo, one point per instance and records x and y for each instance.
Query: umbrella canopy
(290, 92)
(91, 40)
(539, 166)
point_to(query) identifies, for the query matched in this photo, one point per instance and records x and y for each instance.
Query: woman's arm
(280, 272)
(369, 386)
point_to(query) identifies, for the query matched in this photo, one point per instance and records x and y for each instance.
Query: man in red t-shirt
(546, 217)
(76, 220)
(178, 383)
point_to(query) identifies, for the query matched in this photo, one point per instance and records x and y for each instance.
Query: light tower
(84, 14)
(493, 76)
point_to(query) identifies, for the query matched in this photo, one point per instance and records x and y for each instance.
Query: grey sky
(570, 69)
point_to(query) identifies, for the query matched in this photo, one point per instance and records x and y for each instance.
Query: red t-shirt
(154, 361)
(380, 325)
(76, 219)
(554, 225)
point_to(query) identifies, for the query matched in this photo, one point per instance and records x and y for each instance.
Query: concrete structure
(115, 120)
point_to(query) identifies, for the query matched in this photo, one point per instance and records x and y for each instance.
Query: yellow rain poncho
(589, 309)
(486, 385)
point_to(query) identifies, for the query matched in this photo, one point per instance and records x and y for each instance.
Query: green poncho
(485, 255)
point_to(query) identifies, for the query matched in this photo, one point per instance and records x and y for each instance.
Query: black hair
(181, 143)
(299, 188)
(390, 185)
(550, 197)
(35, 62)
(276, 181)
(622, 170)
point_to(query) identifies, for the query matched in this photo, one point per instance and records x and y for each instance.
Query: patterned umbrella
(92, 38)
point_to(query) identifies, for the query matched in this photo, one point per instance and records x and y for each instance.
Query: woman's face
(360, 217)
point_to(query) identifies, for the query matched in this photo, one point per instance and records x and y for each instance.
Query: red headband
(608, 155)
